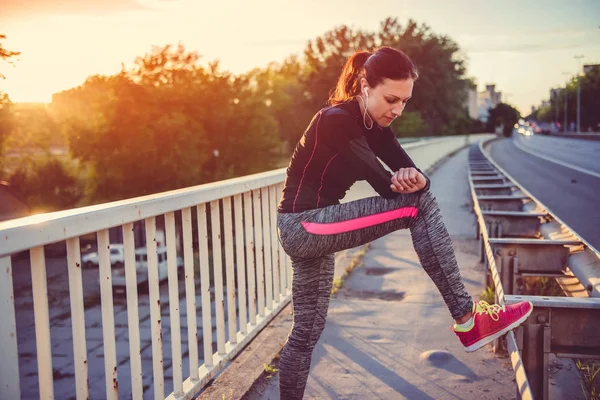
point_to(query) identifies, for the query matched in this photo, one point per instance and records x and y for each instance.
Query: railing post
(205, 286)
(229, 274)
(259, 251)
(39, 286)
(215, 225)
(108, 318)
(173, 282)
(77, 318)
(9, 367)
(190, 292)
(240, 262)
(266, 232)
(155, 314)
(133, 319)
(250, 255)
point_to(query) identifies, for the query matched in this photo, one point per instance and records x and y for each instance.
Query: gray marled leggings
(312, 237)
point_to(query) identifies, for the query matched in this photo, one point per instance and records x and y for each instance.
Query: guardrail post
(481, 248)
(506, 274)
(532, 353)
(547, 344)
(514, 274)
(519, 341)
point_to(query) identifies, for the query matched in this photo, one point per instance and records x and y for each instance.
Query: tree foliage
(6, 116)
(47, 184)
(166, 124)
(440, 92)
(505, 115)
(589, 102)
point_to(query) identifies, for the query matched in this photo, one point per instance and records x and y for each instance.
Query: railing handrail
(37, 230)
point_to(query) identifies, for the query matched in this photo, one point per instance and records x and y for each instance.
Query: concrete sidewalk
(387, 333)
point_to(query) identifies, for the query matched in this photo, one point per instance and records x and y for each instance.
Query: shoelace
(490, 309)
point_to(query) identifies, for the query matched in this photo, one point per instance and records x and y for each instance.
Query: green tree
(505, 115)
(280, 87)
(167, 123)
(590, 100)
(6, 55)
(6, 124)
(131, 144)
(439, 94)
(325, 57)
(6, 119)
(33, 128)
(410, 124)
(47, 183)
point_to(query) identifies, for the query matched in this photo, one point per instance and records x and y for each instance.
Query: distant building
(487, 100)
(478, 104)
(554, 93)
(472, 103)
(587, 68)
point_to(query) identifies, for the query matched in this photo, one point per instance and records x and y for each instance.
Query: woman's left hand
(407, 180)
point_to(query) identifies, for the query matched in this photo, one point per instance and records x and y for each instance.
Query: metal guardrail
(509, 229)
(244, 281)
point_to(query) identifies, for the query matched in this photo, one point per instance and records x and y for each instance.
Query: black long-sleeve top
(335, 151)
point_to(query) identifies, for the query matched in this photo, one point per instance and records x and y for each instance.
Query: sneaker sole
(477, 345)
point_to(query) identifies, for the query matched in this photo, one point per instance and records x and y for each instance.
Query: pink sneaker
(490, 322)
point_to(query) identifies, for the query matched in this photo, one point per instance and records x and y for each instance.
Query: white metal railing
(242, 257)
(248, 207)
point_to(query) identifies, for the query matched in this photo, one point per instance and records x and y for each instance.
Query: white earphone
(366, 92)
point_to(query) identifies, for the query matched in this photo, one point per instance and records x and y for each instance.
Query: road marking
(564, 164)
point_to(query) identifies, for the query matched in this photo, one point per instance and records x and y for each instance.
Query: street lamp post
(579, 57)
(566, 103)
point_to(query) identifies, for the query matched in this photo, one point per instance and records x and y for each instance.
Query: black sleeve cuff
(428, 184)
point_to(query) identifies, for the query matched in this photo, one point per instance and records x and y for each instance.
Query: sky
(525, 47)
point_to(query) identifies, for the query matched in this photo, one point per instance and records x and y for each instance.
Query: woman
(340, 147)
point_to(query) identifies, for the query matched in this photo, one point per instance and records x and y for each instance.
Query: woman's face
(386, 101)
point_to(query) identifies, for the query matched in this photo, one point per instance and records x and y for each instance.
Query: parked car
(117, 257)
(141, 267)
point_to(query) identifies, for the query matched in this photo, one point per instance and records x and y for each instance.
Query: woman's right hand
(407, 180)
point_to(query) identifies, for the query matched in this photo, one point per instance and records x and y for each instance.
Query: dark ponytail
(348, 84)
(386, 62)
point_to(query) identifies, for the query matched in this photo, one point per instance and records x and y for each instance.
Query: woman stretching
(341, 146)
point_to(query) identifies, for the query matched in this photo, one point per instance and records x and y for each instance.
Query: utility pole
(565, 126)
(555, 104)
(579, 57)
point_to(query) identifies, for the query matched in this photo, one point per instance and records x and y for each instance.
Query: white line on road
(564, 164)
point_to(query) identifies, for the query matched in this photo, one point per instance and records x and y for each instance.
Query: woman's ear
(364, 86)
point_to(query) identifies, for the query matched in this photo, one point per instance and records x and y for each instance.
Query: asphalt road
(571, 192)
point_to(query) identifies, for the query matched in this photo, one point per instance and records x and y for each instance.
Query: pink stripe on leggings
(333, 228)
